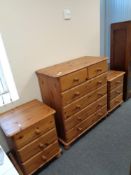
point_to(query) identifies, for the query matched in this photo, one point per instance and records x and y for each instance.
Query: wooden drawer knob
(44, 158)
(76, 79)
(41, 145)
(118, 92)
(99, 82)
(99, 105)
(79, 129)
(76, 93)
(118, 82)
(98, 70)
(78, 106)
(79, 118)
(37, 131)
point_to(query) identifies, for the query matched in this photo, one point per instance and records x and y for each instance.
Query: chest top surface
(24, 116)
(67, 67)
(112, 74)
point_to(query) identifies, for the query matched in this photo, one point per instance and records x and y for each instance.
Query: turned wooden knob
(76, 79)
(79, 129)
(98, 70)
(37, 131)
(44, 158)
(77, 93)
(99, 82)
(78, 106)
(79, 118)
(41, 145)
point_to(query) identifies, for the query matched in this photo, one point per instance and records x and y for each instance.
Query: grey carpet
(104, 150)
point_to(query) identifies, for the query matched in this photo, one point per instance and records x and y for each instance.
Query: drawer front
(86, 124)
(116, 101)
(80, 116)
(115, 83)
(37, 146)
(101, 91)
(83, 89)
(40, 159)
(78, 105)
(97, 69)
(116, 92)
(26, 136)
(101, 102)
(73, 79)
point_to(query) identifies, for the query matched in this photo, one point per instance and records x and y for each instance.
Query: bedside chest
(77, 90)
(115, 89)
(31, 133)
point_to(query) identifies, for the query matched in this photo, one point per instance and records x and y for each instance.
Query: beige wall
(36, 35)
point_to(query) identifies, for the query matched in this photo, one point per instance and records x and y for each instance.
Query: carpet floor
(104, 150)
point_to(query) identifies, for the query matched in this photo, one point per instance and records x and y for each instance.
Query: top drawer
(115, 83)
(73, 79)
(26, 136)
(97, 69)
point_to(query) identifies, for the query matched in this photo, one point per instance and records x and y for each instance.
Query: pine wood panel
(83, 89)
(37, 145)
(73, 79)
(41, 159)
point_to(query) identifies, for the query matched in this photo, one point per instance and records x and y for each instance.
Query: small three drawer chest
(77, 90)
(31, 133)
(115, 89)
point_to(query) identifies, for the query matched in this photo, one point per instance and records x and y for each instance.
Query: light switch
(67, 14)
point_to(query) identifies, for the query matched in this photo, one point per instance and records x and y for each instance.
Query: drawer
(115, 83)
(80, 116)
(26, 136)
(37, 146)
(97, 69)
(83, 89)
(78, 105)
(116, 101)
(102, 112)
(86, 124)
(102, 102)
(114, 93)
(101, 91)
(40, 159)
(73, 79)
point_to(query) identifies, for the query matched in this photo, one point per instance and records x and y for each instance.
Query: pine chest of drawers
(115, 89)
(77, 90)
(31, 133)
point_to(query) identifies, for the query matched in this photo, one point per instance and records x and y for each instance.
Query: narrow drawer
(78, 105)
(115, 83)
(101, 91)
(26, 136)
(101, 102)
(116, 101)
(97, 69)
(40, 159)
(73, 79)
(80, 116)
(83, 89)
(114, 93)
(37, 146)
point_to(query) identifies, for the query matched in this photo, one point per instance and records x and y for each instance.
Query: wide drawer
(97, 69)
(83, 89)
(40, 159)
(37, 145)
(80, 116)
(79, 104)
(85, 124)
(26, 136)
(115, 83)
(73, 79)
(114, 93)
(116, 102)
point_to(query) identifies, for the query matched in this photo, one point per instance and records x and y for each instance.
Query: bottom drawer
(85, 124)
(115, 102)
(40, 159)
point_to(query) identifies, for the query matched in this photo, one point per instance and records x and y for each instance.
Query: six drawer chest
(77, 90)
